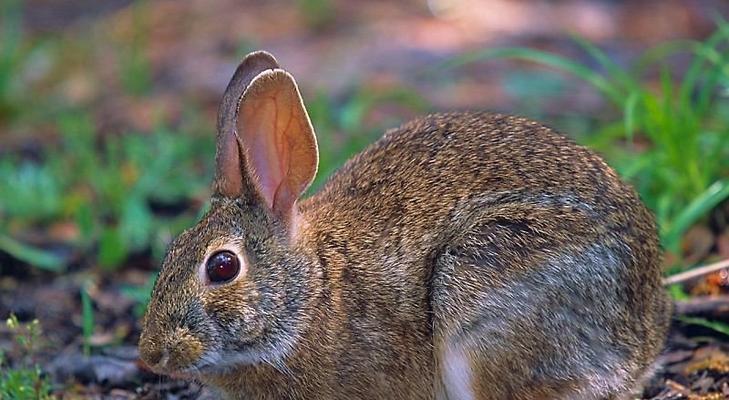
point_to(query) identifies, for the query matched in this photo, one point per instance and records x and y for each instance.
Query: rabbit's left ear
(278, 140)
(230, 179)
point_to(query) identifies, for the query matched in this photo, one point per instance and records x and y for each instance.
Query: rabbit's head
(232, 290)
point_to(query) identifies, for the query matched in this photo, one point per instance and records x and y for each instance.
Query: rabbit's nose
(181, 350)
(153, 354)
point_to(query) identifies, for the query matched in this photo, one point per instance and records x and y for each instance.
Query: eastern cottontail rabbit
(461, 256)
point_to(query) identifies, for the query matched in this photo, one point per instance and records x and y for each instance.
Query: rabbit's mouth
(209, 363)
(216, 362)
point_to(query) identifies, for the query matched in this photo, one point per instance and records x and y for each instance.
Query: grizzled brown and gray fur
(461, 256)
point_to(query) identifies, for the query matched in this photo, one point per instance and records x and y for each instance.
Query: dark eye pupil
(222, 267)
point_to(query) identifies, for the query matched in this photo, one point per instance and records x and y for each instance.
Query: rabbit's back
(523, 253)
(421, 186)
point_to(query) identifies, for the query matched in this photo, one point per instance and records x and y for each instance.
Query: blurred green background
(107, 113)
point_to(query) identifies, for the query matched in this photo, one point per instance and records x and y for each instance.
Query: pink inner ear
(279, 143)
(268, 155)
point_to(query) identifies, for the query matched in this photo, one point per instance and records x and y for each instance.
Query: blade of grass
(660, 52)
(629, 116)
(717, 326)
(705, 51)
(140, 295)
(710, 198)
(87, 319)
(615, 72)
(540, 57)
(677, 292)
(31, 255)
(720, 63)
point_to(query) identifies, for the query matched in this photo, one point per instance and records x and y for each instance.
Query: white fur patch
(456, 374)
(600, 386)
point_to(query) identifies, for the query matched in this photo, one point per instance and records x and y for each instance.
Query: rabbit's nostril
(153, 354)
(156, 359)
(166, 356)
(151, 358)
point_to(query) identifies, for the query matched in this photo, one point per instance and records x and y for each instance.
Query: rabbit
(461, 256)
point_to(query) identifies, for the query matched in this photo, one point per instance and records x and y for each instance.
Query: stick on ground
(696, 272)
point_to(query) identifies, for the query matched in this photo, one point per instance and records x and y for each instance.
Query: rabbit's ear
(278, 140)
(229, 178)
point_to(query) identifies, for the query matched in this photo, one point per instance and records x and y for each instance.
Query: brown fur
(488, 233)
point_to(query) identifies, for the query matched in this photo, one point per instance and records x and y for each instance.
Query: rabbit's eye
(222, 266)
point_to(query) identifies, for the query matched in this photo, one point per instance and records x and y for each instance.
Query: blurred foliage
(106, 189)
(13, 57)
(670, 141)
(318, 14)
(135, 66)
(87, 319)
(716, 326)
(122, 194)
(23, 62)
(140, 295)
(25, 380)
(117, 195)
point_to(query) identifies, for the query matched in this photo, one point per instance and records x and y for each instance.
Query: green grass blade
(629, 115)
(87, 320)
(632, 165)
(603, 139)
(660, 52)
(717, 326)
(140, 295)
(31, 255)
(677, 293)
(717, 58)
(551, 60)
(718, 68)
(698, 208)
(706, 51)
(615, 72)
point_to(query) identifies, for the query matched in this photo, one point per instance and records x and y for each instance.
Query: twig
(713, 305)
(678, 388)
(696, 272)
